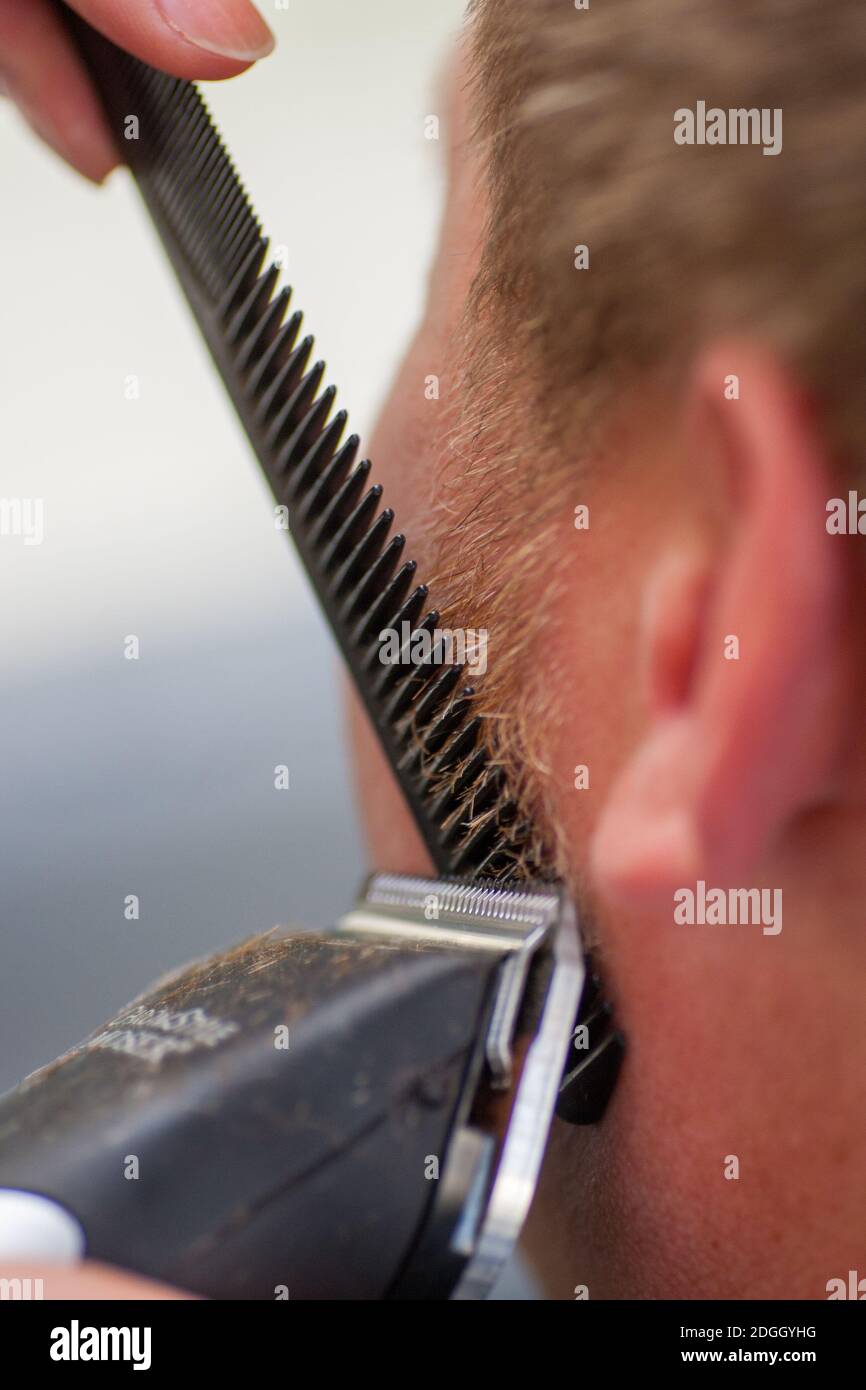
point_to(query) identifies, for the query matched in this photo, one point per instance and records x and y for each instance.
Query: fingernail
(231, 28)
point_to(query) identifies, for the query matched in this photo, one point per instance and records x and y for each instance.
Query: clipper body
(354, 1115)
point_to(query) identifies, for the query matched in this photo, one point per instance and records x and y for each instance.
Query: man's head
(651, 378)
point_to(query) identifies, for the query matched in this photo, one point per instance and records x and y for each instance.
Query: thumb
(188, 38)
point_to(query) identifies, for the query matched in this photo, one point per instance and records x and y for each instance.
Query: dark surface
(193, 1149)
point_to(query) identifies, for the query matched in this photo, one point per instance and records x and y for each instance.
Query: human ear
(745, 647)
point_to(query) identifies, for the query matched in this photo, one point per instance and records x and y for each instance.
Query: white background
(155, 517)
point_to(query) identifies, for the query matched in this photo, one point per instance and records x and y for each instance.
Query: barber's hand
(41, 73)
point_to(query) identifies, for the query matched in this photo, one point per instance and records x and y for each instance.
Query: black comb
(592, 1067)
(422, 713)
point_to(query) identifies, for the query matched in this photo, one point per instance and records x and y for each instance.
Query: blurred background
(156, 777)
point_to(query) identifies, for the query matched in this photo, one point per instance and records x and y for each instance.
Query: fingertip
(233, 30)
(193, 39)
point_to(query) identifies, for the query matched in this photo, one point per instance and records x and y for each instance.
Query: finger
(85, 1281)
(189, 38)
(47, 82)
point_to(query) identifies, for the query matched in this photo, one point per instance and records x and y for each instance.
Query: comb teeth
(338, 522)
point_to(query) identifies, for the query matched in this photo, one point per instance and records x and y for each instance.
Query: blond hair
(684, 241)
(576, 110)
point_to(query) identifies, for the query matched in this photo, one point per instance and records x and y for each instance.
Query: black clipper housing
(358, 1115)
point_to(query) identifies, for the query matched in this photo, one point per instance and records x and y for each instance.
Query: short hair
(684, 241)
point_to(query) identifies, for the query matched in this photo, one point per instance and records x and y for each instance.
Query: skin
(41, 73)
(707, 521)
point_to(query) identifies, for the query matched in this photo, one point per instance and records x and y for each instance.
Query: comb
(355, 559)
(422, 711)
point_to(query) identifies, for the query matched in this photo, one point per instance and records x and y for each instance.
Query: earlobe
(647, 840)
(744, 648)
